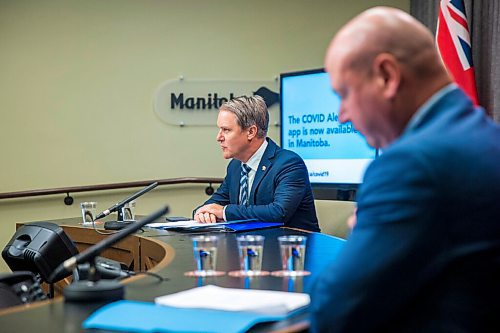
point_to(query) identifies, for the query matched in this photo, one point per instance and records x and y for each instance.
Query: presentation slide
(333, 152)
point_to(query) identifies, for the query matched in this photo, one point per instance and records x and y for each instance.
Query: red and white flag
(453, 41)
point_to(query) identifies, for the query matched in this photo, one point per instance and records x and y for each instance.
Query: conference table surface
(60, 316)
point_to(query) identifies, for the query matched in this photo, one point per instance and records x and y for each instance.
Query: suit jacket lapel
(264, 165)
(234, 185)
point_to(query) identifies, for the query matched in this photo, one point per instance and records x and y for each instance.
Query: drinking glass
(293, 255)
(205, 256)
(250, 251)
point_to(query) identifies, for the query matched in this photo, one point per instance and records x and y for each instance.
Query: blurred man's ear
(351, 220)
(388, 70)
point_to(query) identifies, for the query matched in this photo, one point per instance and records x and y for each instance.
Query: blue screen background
(307, 97)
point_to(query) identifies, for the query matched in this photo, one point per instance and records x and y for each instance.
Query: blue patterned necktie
(245, 169)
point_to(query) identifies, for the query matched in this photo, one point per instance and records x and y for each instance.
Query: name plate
(185, 102)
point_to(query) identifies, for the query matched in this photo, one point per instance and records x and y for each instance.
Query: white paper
(229, 299)
(192, 224)
(178, 224)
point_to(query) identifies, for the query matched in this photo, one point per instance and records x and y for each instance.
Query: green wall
(78, 77)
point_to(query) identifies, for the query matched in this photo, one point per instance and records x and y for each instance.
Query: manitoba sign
(186, 102)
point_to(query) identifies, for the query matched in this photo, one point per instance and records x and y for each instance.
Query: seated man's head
(243, 123)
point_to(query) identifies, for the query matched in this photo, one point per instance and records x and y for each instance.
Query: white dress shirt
(253, 162)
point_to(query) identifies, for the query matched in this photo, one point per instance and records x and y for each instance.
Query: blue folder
(250, 225)
(132, 316)
(233, 226)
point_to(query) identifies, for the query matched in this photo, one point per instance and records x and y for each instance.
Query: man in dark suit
(424, 254)
(263, 181)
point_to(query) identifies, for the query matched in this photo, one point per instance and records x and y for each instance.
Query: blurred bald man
(424, 254)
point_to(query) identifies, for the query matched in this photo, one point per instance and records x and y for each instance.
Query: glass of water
(89, 212)
(205, 256)
(128, 211)
(250, 250)
(293, 256)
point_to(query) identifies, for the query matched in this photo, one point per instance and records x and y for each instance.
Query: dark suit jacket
(280, 191)
(424, 255)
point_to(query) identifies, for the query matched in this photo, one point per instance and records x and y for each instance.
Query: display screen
(334, 153)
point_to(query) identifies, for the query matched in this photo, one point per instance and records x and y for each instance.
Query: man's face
(361, 101)
(231, 137)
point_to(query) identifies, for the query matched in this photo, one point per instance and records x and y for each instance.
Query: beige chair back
(332, 216)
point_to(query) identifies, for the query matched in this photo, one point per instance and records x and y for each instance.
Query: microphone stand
(120, 222)
(118, 207)
(94, 289)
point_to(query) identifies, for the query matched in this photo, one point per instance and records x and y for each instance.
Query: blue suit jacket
(424, 255)
(280, 191)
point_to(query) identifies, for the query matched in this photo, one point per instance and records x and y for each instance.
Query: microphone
(91, 252)
(122, 203)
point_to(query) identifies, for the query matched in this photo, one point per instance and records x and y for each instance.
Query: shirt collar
(254, 161)
(422, 111)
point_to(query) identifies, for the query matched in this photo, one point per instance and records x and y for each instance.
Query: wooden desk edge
(166, 260)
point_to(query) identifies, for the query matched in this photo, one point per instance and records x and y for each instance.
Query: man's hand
(210, 213)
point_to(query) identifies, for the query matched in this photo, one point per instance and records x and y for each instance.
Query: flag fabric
(454, 46)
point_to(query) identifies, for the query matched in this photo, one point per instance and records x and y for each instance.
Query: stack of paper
(178, 224)
(200, 310)
(228, 299)
(232, 226)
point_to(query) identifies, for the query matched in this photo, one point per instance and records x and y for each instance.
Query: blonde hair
(249, 110)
